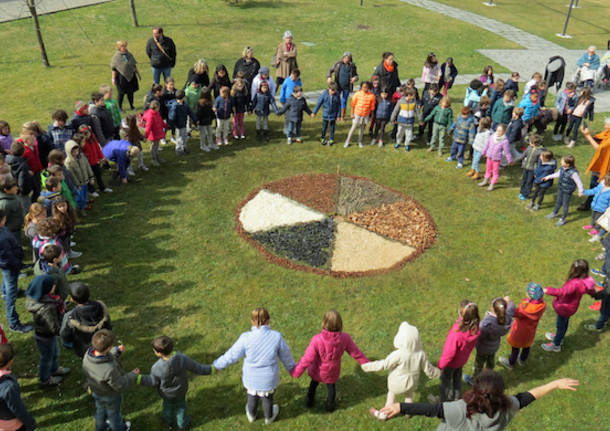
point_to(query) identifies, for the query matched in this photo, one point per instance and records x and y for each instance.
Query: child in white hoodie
(478, 145)
(406, 363)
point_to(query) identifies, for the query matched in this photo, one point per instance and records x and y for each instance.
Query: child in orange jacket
(363, 106)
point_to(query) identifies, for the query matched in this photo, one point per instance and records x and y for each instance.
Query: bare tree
(43, 51)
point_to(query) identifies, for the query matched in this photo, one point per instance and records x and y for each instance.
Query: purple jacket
(567, 299)
(493, 150)
(492, 331)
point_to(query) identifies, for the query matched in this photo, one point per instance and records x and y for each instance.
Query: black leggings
(129, 98)
(515, 353)
(267, 405)
(97, 171)
(538, 193)
(331, 391)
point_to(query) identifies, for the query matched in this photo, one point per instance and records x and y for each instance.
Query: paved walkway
(11, 10)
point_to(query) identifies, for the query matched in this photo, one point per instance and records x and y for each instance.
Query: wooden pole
(134, 17)
(43, 50)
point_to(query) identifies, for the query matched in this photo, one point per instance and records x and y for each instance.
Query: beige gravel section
(357, 249)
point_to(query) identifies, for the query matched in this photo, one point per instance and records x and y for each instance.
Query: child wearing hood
(523, 330)
(78, 165)
(406, 363)
(322, 358)
(46, 308)
(169, 376)
(15, 416)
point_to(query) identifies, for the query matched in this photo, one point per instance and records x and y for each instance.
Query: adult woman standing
(484, 407)
(285, 59)
(388, 73)
(345, 74)
(247, 64)
(198, 73)
(600, 163)
(125, 73)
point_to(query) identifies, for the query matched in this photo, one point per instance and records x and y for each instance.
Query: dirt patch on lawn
(317, 191)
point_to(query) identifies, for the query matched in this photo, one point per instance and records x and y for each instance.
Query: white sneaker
(242, 137)
(249, 416)
(214, 147)
(205, 148)
(360, 145)
(346, 144)
(380, 144)
(107, 190)
(94, 194)
(550, 347)
(127, 426)
(595, 238)
(571, 144)
(173, 141)
(144, 168)
(504, 362)
(72, 244)
(74, 254)
(276, 411)
(163, 142)
(549, 336)
(226, 141)
(556, 138)
(289, 141)
(130, 172)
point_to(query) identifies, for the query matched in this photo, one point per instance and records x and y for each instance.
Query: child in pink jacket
(461, 339)
(496, 146)
(322, 358)
(155, 130)
(567, 300)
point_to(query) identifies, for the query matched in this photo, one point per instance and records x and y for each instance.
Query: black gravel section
(309, 243)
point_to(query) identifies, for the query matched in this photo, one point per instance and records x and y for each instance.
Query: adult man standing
(162, 53)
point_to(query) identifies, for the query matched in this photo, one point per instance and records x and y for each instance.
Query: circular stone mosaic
(338, 225)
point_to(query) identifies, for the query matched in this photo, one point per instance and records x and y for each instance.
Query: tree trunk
(43, 50)
(134, 18)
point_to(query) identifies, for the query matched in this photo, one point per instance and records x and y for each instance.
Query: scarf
(125, 64)
(389, 68)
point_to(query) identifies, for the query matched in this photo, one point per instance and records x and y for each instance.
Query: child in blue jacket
(179, 113)
(294, 108)
(223, 107)
(383, 112)
(262, 100)
(546, 166)
(601, 202)
(330, 102)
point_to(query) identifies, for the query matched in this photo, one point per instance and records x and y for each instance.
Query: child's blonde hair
(105, 89)
(446, 101)
(484, 123)
(36, 210)
(518, 111)
(332, 321)
(259, 317)
(133, 152)
(238, 86)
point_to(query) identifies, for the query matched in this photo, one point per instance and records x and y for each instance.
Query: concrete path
(11, 10)
(533, 58)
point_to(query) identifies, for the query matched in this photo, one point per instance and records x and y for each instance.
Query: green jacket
(501, 114)
(442, 116)
(61, 282)
(192, 97)
(65, 190)
(113, 107)
(14, 211)
(105, 375)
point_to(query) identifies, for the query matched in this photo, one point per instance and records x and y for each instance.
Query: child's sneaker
(95, 194)
(459, 166)
(289, 141)
(449, 159)
(173, 141)
(346, 144)
(373, 142)
(331, 142)
(430, 149)
(322, 141)
(163, 141)
(107, 190)
(53, 381)
(298, 140)
(235, 137)
(505, 362)
(550, 347)
(249, 416)
(377, 414)
(360, 145)
(407, 149)
(593, 232)
(380, 144)
(242, 137)
(552, 215)
(560, 222)
(226, 141)
(595, 238)
(598, 272)
(467, 379)
(144, 168)
(276, 411)
(396, 146)
(530, 206)
(591, 327)
(536, 207)
(521, 197)
(556, 138)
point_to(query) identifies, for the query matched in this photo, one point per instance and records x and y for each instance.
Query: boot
(342, 114)
(266, 135)
(258, 134)
(470, 173)
(476, 176)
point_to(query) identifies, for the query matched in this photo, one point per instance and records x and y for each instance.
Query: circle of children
(49, 177)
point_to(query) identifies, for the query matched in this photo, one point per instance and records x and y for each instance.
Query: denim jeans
(344, 96)
(476, 159)
(325, 125)
(81, 196)
(175, 411)
(538, 193)
(10, 289)
(108, 407)
(562, 328)
(294, 129)
(604, 312)
(573, 125)
(563, 198)
(527, 181)
(592, 184)
(49, 356)
(157, 71)
(457, 151)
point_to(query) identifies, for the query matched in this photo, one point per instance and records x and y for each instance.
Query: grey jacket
(492, 331)
(105, 375)
(170, 376)
(46, 317)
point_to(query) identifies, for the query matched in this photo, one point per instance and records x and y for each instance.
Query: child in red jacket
(155, 130)
(90, 146)
(322, 358)
(525, 323)
(461, 339)
(567, 300)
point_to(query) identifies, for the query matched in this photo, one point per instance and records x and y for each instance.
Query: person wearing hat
(121, 152)
(262, 76)
(44, 305)
(345, 74)
(82, 116)
(285, 59)
(525, 322)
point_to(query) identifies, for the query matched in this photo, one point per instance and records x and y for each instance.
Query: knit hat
(534, 290)
(287, 33)
(79, 106)
(40, 286)
(263, 70)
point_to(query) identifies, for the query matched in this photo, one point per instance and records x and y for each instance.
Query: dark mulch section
(309, 243)
(359, 194)
(316, 191)
(405, 221)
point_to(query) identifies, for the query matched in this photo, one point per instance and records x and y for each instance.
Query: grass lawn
(163, 254)
(588, 24)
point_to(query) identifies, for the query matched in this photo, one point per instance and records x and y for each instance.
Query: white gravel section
(269, 210)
